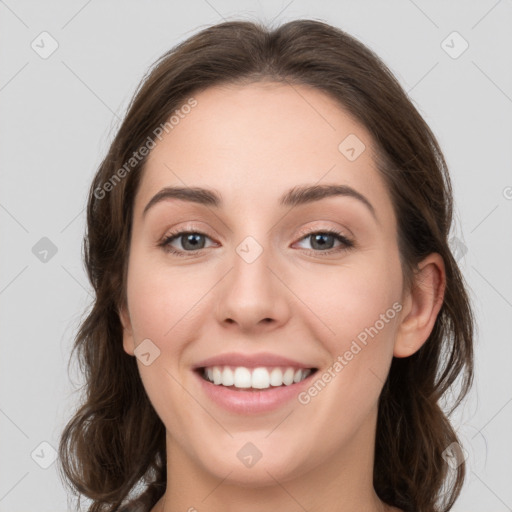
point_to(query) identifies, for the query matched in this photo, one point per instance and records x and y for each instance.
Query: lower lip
(251, 401)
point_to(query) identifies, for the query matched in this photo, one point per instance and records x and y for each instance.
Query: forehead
(254, 141)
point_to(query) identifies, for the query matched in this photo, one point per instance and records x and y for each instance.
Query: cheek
(365, 326)
(159, 298)
(360, 307)
(350, 301)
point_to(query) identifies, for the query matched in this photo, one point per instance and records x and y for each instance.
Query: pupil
(319, 237)
(190, 239)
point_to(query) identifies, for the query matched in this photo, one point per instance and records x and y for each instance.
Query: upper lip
(251, 361)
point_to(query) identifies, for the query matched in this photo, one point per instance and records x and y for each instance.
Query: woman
(277, 312)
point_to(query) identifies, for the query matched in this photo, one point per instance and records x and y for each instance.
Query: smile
(256, 383)
(241, 377)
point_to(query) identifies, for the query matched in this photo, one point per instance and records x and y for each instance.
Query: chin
(273, 464)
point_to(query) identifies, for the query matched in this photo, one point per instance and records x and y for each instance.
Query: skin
(251, 144)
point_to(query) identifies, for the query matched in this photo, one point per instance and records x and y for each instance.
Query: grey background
(60, 113)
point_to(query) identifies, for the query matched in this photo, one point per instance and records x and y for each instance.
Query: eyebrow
(296, 196)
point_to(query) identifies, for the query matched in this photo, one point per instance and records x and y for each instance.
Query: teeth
(288, 376)
(241, 378)
(256, 378)
(260, 378)
(228, 379)
(217, 375)
(276, 377)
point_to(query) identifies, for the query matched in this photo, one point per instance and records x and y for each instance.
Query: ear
(421, 306)
(128, 341)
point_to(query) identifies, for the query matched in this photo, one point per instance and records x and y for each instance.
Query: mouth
(261, 378)
(252, 384)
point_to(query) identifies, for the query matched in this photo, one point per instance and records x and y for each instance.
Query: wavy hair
(114, 443)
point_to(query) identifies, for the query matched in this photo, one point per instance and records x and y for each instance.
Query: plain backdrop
(59, 113)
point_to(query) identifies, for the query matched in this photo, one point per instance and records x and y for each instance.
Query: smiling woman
(277, 312)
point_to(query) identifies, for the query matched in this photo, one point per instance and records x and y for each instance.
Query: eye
(322, 241)
(190, 242)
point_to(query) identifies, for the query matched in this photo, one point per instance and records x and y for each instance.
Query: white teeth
(276, 377)
(217, 375)
(260, 378)
(228, 378)
(242, 378)
(257, 378)
(288, 376)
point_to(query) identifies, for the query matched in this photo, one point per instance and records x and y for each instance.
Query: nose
(253, 295)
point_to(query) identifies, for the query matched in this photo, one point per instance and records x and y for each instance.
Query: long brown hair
(114, 444)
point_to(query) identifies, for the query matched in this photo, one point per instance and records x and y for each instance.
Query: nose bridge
(251, 292)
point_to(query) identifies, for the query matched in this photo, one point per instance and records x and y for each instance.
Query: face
(262, 278)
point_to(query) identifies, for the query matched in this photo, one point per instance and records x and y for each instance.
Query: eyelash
(347, 243)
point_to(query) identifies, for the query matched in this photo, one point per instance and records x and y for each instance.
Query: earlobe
(424, 302)
(128, 341)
